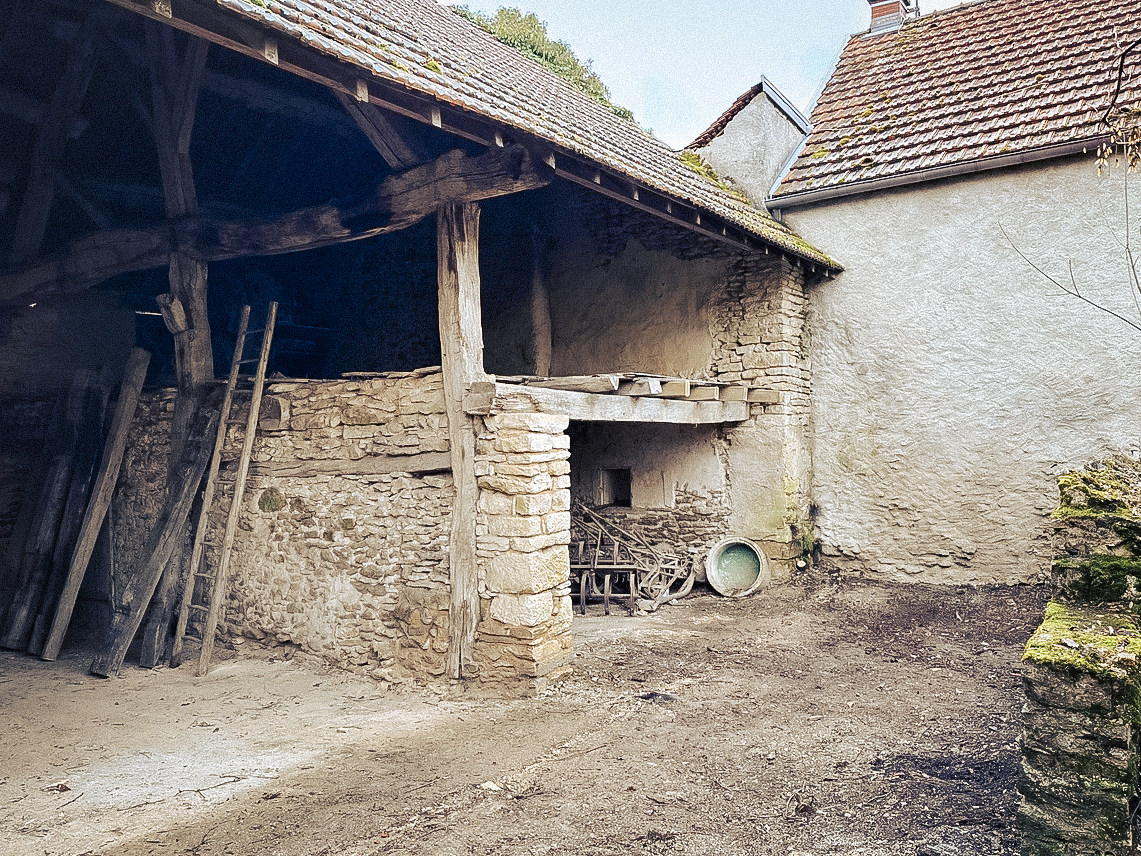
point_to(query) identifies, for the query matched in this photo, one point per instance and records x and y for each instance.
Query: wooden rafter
(398, 202)
(380, 132)
(54, 132)
(342, 77)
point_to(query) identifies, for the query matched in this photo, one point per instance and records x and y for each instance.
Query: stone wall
(762, 337)
(1081, 744)
(349, 562)
(342, 547)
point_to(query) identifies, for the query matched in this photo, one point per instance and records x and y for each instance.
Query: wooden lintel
(398, 202)
(425, 462)
(591, 407)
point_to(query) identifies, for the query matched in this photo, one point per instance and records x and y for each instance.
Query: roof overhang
(805, 198)
(221, 27)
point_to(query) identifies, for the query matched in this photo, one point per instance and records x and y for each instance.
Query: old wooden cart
(602, 551)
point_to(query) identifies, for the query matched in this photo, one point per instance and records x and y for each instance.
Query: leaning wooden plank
(82, 475)
(116, 445)
(155, 633)
(37, 555)
(581, 383)
(139, 589)
(14, 555)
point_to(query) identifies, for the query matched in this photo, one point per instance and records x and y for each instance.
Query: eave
(342, 75)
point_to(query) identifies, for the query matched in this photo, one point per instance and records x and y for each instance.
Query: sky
(679, 64)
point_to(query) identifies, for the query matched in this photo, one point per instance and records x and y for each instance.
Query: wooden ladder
(209, 597)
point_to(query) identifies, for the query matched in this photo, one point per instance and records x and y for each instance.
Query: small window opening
(614, 487)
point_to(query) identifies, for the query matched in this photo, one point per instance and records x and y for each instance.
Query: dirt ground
(837, 717)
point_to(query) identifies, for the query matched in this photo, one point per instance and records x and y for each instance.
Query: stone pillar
(523, 529)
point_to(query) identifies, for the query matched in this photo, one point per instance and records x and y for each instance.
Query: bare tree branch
(1073, 290)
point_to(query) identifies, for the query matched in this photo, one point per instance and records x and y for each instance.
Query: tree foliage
(528, 35)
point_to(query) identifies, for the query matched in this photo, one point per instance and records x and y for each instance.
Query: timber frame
(349, 84)
(454, 160)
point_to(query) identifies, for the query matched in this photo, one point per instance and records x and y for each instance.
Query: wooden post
(540, 307)
(39, 193)
(461, 341)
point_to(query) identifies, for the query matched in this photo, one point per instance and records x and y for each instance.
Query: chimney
(888, 15)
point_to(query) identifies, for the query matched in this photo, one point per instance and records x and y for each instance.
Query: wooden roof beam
(399, 201)
(342, 77)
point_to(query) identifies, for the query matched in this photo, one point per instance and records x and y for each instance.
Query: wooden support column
(540, 306)
(175, 80)
(461, 341)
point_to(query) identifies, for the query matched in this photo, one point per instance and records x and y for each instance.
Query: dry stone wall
(761, 336)
(345, 560)
(343, 544)
(1081, 746)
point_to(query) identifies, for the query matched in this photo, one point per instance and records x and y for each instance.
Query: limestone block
(353, 431)
(560, 500)
(559, 468)
(561, 441)
(522, 609)
(355, 414)
(520, 442)
(518, 484)
(493, 502)
(525, 470)
(557, 521)
(540, 542)
(515, 526)
(543, 423)
(538, 503)
(528, 573)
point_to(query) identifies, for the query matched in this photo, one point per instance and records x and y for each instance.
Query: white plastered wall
(952, 383)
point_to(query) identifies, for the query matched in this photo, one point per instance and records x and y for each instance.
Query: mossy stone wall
(1082, 674)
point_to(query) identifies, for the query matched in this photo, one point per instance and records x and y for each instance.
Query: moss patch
(1102, 578)
(271, 499)
(1103, 642)
(1109, 487)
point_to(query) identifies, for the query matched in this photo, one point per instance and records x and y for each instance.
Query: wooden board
(101, 494)
(139, 588)
(588, 407)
